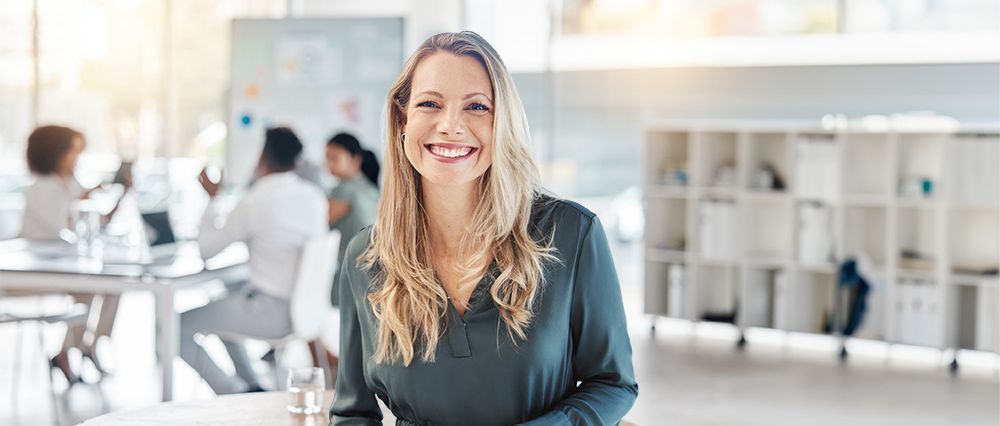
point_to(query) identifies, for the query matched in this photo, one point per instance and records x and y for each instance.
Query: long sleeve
(237, 227)
(354, 403)
(602, 352)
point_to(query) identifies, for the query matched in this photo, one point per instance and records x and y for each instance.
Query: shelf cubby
(716, 164)
(976, 319)
(863, 163)
(975, 162)
(969, 252)
(716, 293)
(920, 165)
(918, 249)
(757, 306)
(865, 233)
(804, 301)
(767, 163)
(668, 155)
(766, 234)
(667, 228)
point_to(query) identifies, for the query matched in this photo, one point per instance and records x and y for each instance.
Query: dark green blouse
(574, 368)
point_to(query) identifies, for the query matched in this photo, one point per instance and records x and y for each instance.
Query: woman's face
(340, 162)
(449, 120)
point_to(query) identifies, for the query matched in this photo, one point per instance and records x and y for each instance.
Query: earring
(402, 137)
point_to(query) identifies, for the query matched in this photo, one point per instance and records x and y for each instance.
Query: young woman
(52, 155)
(476, 299)
(354, 201)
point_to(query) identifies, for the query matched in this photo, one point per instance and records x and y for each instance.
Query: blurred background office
(741, 153)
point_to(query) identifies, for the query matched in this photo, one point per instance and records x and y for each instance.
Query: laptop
(160, 235)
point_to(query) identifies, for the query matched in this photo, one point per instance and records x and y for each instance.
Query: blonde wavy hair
(409, 303)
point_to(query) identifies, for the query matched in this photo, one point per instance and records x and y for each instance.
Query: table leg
(167, 338)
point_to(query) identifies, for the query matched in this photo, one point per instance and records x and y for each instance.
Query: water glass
(305, 390)
(86, 225)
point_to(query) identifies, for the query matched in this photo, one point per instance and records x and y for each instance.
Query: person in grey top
(354, 200)
(476, 299)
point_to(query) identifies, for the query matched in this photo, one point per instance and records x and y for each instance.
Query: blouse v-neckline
(475, 297)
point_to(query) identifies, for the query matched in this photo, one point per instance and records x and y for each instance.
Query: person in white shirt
(275, 218)
(52, 155)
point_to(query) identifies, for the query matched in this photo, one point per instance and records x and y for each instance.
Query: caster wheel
(740, 344)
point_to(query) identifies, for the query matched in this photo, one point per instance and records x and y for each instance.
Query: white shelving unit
(748, 222)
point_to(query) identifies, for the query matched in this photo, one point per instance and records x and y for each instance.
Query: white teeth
(450, 152)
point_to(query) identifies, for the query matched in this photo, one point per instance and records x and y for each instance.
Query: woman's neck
(449, 213)
(350, 175)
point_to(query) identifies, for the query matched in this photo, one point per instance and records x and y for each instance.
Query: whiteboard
(318, 76)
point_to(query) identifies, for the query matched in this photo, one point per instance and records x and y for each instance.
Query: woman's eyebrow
(438, 94)
(477, 93)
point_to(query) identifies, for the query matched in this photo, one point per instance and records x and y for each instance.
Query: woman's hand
(212, 188)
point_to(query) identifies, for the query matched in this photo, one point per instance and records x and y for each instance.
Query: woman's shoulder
(51, 186)
(549, 211)
(354, 188)
(359, 242)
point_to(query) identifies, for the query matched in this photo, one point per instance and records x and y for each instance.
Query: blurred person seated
(275, 218)
(354, 200)
(52, 156)
(353, 203)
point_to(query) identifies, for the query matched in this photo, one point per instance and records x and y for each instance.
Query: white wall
(598, 116)
(423, 18)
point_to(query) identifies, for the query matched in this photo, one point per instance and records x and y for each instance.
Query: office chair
(310, 303)
(70, 315)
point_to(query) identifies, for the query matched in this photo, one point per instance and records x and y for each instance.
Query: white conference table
(56, 267)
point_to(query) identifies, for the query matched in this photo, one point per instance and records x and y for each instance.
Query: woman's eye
(479, 107)
(427, 104)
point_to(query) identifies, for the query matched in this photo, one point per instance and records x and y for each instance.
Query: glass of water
(305, 390)
(86, 225)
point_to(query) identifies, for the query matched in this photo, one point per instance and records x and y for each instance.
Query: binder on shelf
(675, 290)
(919, 314)
(816, 172)
(757, 304)
(815, 234)
(781, 300)
(987, 319)
(717, 229)
(978, 179)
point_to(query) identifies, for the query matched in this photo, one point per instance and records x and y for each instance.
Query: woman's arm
(602, 353)
(353, 403)
(338, 209)
(107, 217)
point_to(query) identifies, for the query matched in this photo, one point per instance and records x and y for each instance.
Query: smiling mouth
(450, 152)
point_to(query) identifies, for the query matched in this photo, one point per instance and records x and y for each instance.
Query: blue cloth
(851, 279)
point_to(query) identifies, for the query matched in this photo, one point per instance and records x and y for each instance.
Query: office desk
(247, 409)
(56, 267)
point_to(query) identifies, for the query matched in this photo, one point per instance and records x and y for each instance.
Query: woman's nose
(450, 123)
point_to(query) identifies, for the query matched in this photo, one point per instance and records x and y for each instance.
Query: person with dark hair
(352, 203)
(354, 200)
(275, 218)
(52, 155)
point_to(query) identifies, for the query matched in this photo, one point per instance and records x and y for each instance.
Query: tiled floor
(687, 376)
